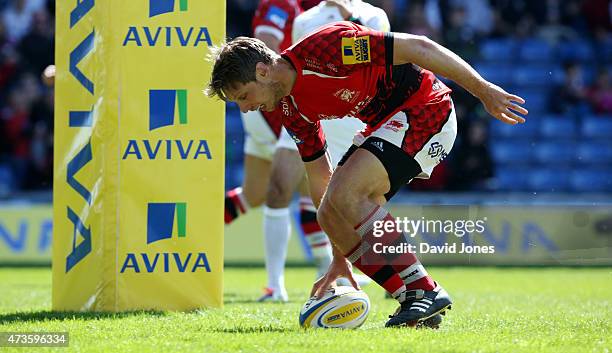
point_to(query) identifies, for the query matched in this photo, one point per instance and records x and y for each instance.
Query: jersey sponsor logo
(277, 16)
(285, 108)
(296, 139)
(312, 63)
(327, 117)
(361, 105)
(345, 94)
(356, 50)
(332, 67)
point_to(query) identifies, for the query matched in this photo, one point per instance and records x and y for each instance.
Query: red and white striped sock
(406, 264)
(361, 256)
(235, 205)
(317, 240)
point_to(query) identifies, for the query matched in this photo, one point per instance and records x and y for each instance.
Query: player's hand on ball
(502, 105)
(340, 267)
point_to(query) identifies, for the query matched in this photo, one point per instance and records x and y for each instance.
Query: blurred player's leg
(277, 229)
(286, 173)
(252, 192)
(259, 142)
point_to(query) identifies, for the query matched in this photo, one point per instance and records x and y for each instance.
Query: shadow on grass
(240, 301)
(229, 301)
(70, 315)
(239, 298)
(253, 329)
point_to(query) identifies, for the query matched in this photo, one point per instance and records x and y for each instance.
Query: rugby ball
(340, 307)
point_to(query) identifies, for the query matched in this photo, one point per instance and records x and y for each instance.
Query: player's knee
(279, 194)
(253, 198)
(342, 195)
(325, 216)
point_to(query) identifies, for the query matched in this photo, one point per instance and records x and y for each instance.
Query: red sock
(382, 274)
(235, 205)
(311, 228)
(406, 264)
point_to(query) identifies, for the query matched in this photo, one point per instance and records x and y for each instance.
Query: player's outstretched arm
(319, 173)
(428, 54)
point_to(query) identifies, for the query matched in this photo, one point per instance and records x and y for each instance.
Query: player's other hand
(48, 75)
(340, 267)
(345, 7)
(502, 105)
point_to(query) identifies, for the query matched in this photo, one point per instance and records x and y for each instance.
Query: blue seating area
(6, 180)
(550, 152)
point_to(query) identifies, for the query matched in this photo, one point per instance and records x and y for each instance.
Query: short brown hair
(235, 62)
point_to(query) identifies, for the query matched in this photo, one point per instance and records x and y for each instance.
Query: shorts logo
(356, 50)
(379, 145)
(437, 150)
(345, 95)
(394, 125)
(159, 7)
(277, 16)
(160, 220)
(162, 106)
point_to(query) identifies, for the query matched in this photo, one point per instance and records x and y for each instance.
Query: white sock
(277, 230)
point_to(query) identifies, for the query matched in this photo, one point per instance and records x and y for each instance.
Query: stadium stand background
(557, 54)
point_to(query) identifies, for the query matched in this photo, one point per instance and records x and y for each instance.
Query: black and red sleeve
(308, 137)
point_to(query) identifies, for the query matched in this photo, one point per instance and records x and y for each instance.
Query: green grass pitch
(495, 310)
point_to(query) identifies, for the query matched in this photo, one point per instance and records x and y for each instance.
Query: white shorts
(434, 151)
(260, 141)
(339, 134)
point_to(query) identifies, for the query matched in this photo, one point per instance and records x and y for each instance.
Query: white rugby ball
(340, 307)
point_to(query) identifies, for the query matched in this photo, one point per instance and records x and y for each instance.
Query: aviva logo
(163, 107)
(160, 220)
(164, 220)
(159, 7)
(174, 35)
